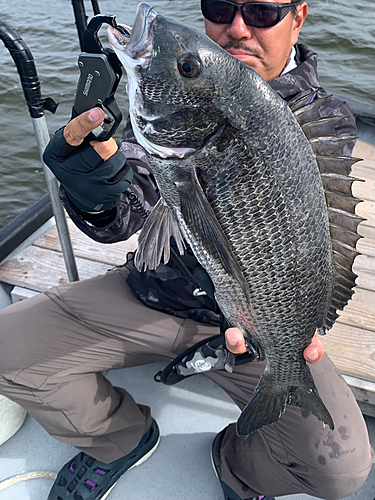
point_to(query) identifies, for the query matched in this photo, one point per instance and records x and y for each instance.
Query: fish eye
(189, 66)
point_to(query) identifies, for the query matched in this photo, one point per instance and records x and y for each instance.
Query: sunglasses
(255, 14)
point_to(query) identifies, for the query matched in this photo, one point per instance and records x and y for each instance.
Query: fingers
(235, 341)
(315, 351)
(82, 125)
(105, 149)
(78, 128)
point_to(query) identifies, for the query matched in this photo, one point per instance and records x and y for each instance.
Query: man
(55, 346)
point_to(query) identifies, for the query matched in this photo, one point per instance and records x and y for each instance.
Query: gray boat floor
(189, 415)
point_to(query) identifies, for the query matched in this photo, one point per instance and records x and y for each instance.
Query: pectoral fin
(154, 239)
(201, 221)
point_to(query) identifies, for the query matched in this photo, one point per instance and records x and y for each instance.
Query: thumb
(78, 128)
(235, 341)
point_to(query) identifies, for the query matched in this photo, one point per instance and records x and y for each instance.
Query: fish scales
(256, 219)
(272, 258)
(279, 239)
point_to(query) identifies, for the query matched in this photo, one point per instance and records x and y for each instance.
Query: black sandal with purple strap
(85, 478)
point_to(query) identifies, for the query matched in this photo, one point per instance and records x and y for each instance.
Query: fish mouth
(119, 35)
(135, 42)
(134, 48)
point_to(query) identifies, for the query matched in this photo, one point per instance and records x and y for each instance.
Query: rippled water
(342, 32)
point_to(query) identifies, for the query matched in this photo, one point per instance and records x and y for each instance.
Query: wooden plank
(366, 209)
(351, 342)
(113, 254)
(366, 231)
(364, 393)
(364, 266)
(364, 190)
(364, 170)
(39, 268)
(352, 349)
(364, 149)
(360, 310)
(366, 245)
(365, 388)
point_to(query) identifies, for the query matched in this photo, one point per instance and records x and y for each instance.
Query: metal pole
(24, 60)
(42, 139)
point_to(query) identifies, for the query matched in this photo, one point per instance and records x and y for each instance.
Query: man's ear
(298, 21)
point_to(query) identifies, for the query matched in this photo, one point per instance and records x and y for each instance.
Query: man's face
(266, 50)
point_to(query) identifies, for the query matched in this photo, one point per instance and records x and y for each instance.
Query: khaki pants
(54, 347)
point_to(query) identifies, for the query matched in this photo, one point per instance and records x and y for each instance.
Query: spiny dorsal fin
(339, 233)
(339, 183)
(334, 167)
(330, 146)
(298, 103)
(309, 113)
(321, 127)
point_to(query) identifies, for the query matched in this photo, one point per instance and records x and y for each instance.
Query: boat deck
(191, 413)
(189, 416)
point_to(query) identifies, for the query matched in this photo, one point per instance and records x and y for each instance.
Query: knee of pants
(336, 487)
(338, 477)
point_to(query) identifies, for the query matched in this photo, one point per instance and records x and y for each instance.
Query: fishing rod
(81, 17)
(37, 106)
(95, 6)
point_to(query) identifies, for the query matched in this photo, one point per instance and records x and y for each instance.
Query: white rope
(25, 477)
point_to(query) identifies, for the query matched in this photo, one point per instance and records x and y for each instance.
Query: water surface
(343, 33)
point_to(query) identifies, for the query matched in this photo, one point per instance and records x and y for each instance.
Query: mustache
(238, 45)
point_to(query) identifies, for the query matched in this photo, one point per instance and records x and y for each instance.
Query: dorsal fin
(334, 167)
(297, 103)
(320, 126)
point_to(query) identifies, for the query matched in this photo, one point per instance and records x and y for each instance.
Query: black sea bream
(257, 219)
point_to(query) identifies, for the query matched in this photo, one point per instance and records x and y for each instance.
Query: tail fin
(269, 401)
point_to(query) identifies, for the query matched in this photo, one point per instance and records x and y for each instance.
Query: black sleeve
(123, 220)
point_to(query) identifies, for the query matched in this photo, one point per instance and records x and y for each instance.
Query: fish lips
(138, 45)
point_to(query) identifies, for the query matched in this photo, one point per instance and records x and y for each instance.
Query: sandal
(85, 478)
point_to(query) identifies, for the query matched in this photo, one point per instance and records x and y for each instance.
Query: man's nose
(238, 28)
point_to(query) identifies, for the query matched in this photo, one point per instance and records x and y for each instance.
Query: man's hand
(82, 125)
(236, 343)
(93, 174)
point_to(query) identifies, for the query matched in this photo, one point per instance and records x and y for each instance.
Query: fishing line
(25, 477)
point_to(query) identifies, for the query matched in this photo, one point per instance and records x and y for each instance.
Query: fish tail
(269, 401)
(307, 397)
(265, 406)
